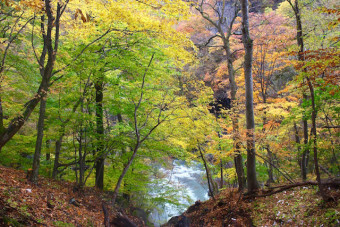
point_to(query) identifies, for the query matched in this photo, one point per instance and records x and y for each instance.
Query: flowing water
(189, 185)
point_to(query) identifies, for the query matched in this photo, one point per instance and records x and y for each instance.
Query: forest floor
(49, 203)
(301, 206)
(55, 203)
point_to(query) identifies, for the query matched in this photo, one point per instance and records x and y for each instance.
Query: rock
(122, 221)
(179, 221)
(74, 202)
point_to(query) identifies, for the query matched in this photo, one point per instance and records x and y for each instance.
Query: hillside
(300, 206)
(55, 203)
(49, 203)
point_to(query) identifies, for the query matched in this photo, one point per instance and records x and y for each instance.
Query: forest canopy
(104, 93)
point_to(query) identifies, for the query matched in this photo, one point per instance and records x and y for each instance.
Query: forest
(101, 102)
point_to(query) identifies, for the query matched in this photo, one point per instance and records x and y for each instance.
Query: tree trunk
(48, 146)
(305, 153)
(301, 160)
(248, 58)
(38, 144)
(57, 155)
(304, 163)
(2, 128)
(80, 157)
(230, 59)
(270, 167)
(299, 38)
(210, 184)
(266, 145)
(316, 162)
(46, 74)
(100, 133)
(120, 179)
(222, 179)
(53, 21)
(16, 124)
(238, 160)
(301, 57)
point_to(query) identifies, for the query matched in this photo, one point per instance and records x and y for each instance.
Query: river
(189, 184)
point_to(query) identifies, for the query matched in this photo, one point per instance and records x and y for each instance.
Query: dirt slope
(50, 203)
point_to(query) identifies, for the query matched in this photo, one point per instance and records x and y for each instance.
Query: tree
(143, 128)
(248, 59)
(46, 71)
(222, 18)
(310, 72)
(270, 57)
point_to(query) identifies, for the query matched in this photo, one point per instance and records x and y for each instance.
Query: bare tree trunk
(2, 128)
(238, 160)
(48, 146)
(57, 155)
(100, 133)
(270, 167)
(248, 58)
(305, 153)
(222, 178)
(266, 146)
(316, 162)
(209, 179)
(301, 160)
(80, 156)
(38, 144)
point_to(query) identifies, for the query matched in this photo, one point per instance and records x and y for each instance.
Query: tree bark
(38, 144)
(238, 160)
(46, 73)
(209, 179)
(100, 133)
(315, 148)
(16, 124)
(222, 178)
(248, 58)
(305, 153)
(57, 155)
(301, 160)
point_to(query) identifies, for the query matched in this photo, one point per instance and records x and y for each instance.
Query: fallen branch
(332, 182)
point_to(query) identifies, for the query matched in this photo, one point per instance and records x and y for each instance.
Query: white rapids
(188, 180)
